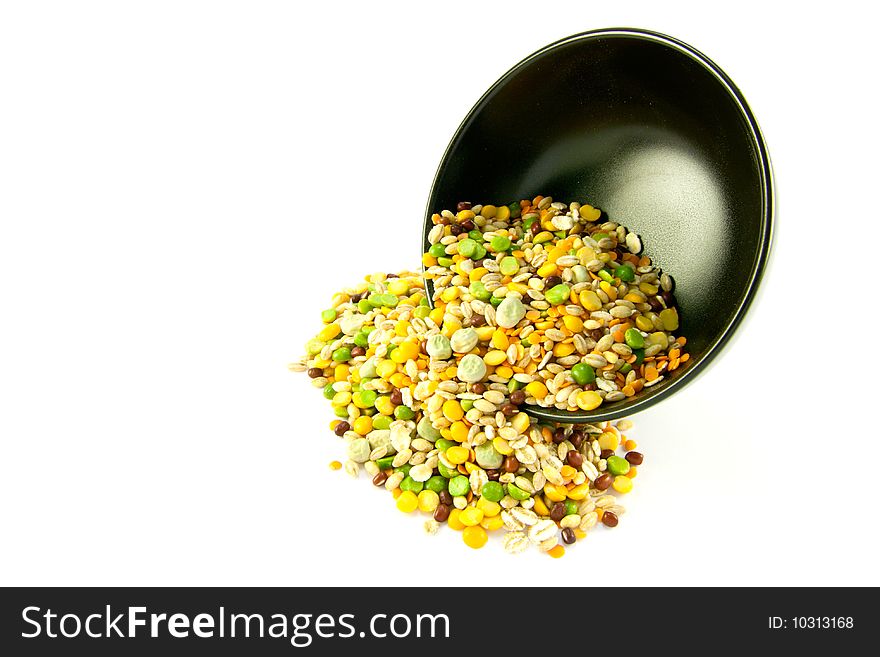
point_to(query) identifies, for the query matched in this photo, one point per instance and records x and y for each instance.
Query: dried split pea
(471, 516)
(428, 501)
(495, 357)
(501, 446)
(457, 455)
(459, 431)
(452, 410)
(500, 341)
(536, 389)
(609, 440)
(491, 523)
(588, 400)
(573, 324)
(363, 425)
(474, 537)
(488, 507)
(407, 502)
(555, 493)
(622, 484)
(454, 522)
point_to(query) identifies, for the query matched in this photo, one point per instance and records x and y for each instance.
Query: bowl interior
(653, 133)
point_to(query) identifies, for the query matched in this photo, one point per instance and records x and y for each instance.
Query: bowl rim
(768, 209)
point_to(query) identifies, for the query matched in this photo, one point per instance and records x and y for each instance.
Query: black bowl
(654, 133)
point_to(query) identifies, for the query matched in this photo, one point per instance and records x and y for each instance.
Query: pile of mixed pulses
(428, 400)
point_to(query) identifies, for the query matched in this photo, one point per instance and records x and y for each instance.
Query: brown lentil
(603, 481)
(635, 458)
(441, 513)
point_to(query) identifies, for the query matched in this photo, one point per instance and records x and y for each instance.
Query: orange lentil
(556, 551)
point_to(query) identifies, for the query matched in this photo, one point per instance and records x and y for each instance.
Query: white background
(184, 184)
